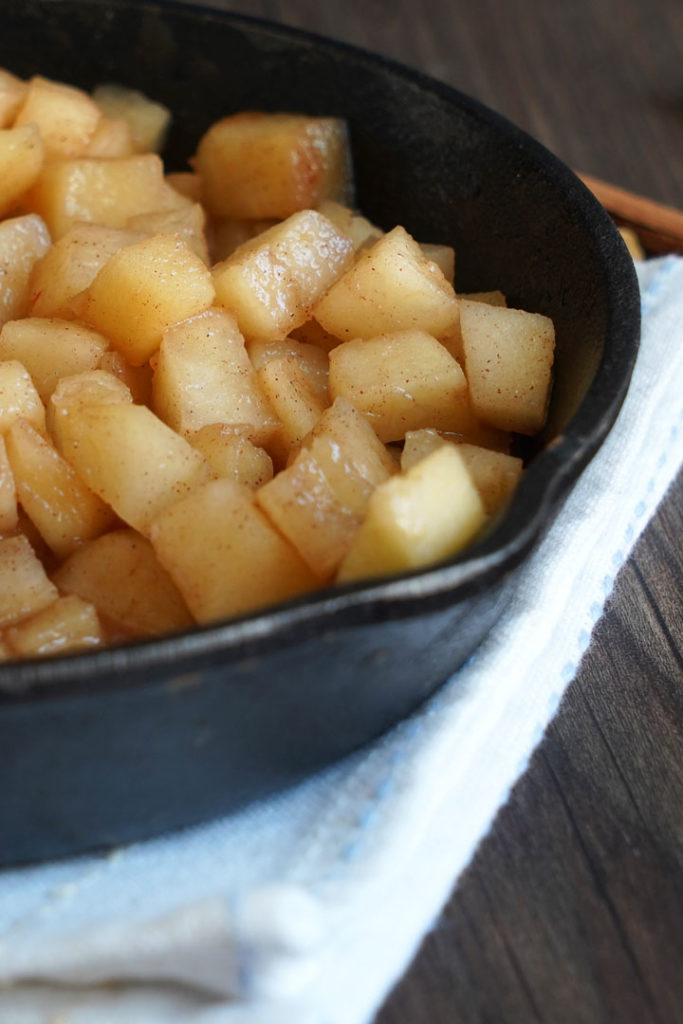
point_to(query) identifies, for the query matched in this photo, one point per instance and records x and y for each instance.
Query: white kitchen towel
(304, 909)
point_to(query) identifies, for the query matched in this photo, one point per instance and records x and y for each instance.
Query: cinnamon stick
(659, 227)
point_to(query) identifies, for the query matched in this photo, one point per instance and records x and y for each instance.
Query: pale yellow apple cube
(50, 349)
(255, 164)
(21, 161)
(24, 585)
(92, 387)
(8, 494)
(390, 287)
(66, 626)
(350, 434)
(121, 576)
(272, 282)
(188, 223)
(66, 117)
(311, 359)
(401, 382)
(307, 509)
(147, 119)
(416, 519)
(203, 375)
(112, 138)
(12, 93)
(508, 360)
(98, 191)
(495, 474)
(237, 562)
(230, 453)
(71, 265)
(130, 458)
(63, 510)
(19, 399)
(295, 401)
(23, 241)
(142, 290)
(360, 230)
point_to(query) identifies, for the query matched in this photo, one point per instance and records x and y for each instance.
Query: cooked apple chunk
(142, 290)
(24, 584)
(255, 164)
(19, 399)
(65, 626)
(272, 282)
(21, 160)
(121, 576)
(236, 562)
(130, 458)
(203, 375)
(50, 349)
(508, 359)
(146, 119)
(401, 382)
(66, 117)
(60, 506)
(296, 401)
(392, 286)
(23, 241)
(230, 453)
(8, 493)
(416, 519)
(12, 94)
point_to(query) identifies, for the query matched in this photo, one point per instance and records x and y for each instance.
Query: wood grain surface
(572, 910)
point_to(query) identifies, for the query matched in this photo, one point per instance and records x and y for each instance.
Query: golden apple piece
(12, 93)
(97, 191)
(19, 399)
(188, 223)
(495, 474)
(312, 360)
(350, 433)
(66, 117)
(50, 349)
(296, 402)
(21, 160)
(230, 453)
(359, 229)
(508, 360)
(92, 387)
(66, 626)
(416, 519)
(72, 264)
(236, 562)
(130, 458)
(63, 510)
(203, 375)
(24, 585)
(8, 494)
(391, 286)
(401, 382)
(143, 289)
(23, 241)
(121, 576)
(147, 120)
(272, 282)
(255, 164)
(112, 138)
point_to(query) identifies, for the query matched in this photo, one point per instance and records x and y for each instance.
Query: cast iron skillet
(105, 748)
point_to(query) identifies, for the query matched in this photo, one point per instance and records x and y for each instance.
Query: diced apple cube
(24, 584)
(296, 402)
(12, 94)
(188, 223)
(508, 360)
(143, 289)
(66, 117)
(61, 507)
(130, 458)
(112, 138)
(8, 493)
(312, 360)
(230, 453)
(23, 240)
(237, 562)
(50, 349)
(121, 576)
(349, 432)
(416, 519)
(255, 164)
(401, 382)
(21, 160)
(93, 387)
(203, 375)
(19, 399)
(272, 282)
(64, 627)
(391, 287)
(72, 264)
(147, 120)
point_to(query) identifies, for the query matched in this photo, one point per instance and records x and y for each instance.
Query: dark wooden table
(572, 910)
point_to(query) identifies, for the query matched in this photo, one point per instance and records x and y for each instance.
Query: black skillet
(106, 748)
